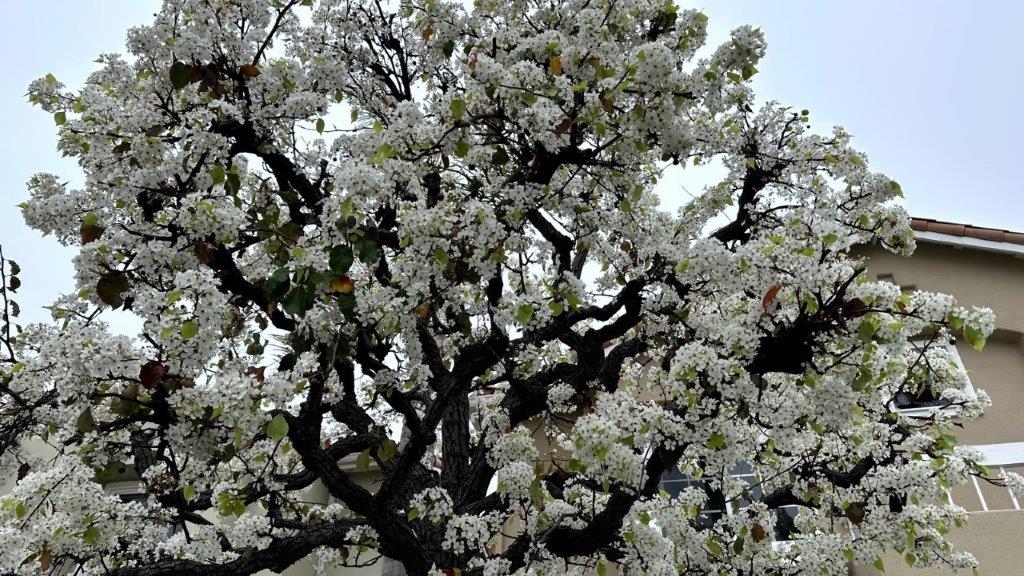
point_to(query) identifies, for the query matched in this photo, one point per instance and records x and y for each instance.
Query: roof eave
(970, 243)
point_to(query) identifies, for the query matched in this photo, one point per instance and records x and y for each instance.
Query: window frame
(968, 388)
(999, 456)
(751, 476)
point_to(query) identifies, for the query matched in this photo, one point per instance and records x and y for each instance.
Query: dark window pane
(784, 523)
(923, 398)
(706, 519)
(741, 469)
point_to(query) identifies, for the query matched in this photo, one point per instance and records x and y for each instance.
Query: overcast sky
(929, 90)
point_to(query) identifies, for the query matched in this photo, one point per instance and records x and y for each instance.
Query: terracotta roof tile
(966, 230)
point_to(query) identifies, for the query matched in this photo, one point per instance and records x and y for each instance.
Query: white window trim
(1003, 454)
(996, 456)
(125, 488)
(968, 388)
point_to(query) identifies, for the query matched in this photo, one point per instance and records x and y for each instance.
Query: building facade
(985, 267)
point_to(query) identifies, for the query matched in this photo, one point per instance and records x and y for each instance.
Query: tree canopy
(424, 239)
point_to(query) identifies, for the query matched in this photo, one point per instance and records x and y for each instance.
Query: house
(980, 266)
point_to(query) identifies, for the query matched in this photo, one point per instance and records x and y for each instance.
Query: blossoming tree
(424, 238)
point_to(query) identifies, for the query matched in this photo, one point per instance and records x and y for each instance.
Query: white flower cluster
(433, 504)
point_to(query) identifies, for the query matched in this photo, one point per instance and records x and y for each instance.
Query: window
(981, 496)
(134, 491)
(785, 523)
(674, 481)
(129, 491)
(924, 399)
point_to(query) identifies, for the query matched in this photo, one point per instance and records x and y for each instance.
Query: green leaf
(363, 461)
(714, 547)
(188, 492)
(717, 442)
(441, 256)
(955, 322)
(536, 492)
(387, 450)
(179, 75)
(369, 252)
(189, 330)
(879, 564)
(341, 259)
(867, 328)
(277, 428)
(974, 337)
(298, 300)
(320, 125)
(20, 510)
(413, 514)
(385, 150)
(500, 157)
(524, 314)
(234, 183)
(91, 535)
(461, 148)
(173, 296)
(946, 442)
(218, 174)
(278, 283)
(458, 107)
(59, 118)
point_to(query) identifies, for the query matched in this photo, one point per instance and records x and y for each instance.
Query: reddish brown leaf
(203, 253)
(151, 374)
(45, 560)
(563, 127)
(343, 284)
(758, 532)
(769, 297)
(250, 70)
(853, 307)
(259, 373)
(109, 289)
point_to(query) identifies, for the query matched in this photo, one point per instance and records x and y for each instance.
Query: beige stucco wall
(995, 539)
(997, 281)
(975, 278)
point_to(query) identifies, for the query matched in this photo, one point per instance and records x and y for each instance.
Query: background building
(980, 266)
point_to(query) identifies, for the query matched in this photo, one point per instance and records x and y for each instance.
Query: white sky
(929, 90)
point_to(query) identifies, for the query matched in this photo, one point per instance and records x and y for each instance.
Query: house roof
(968, 236)
(967, 230)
